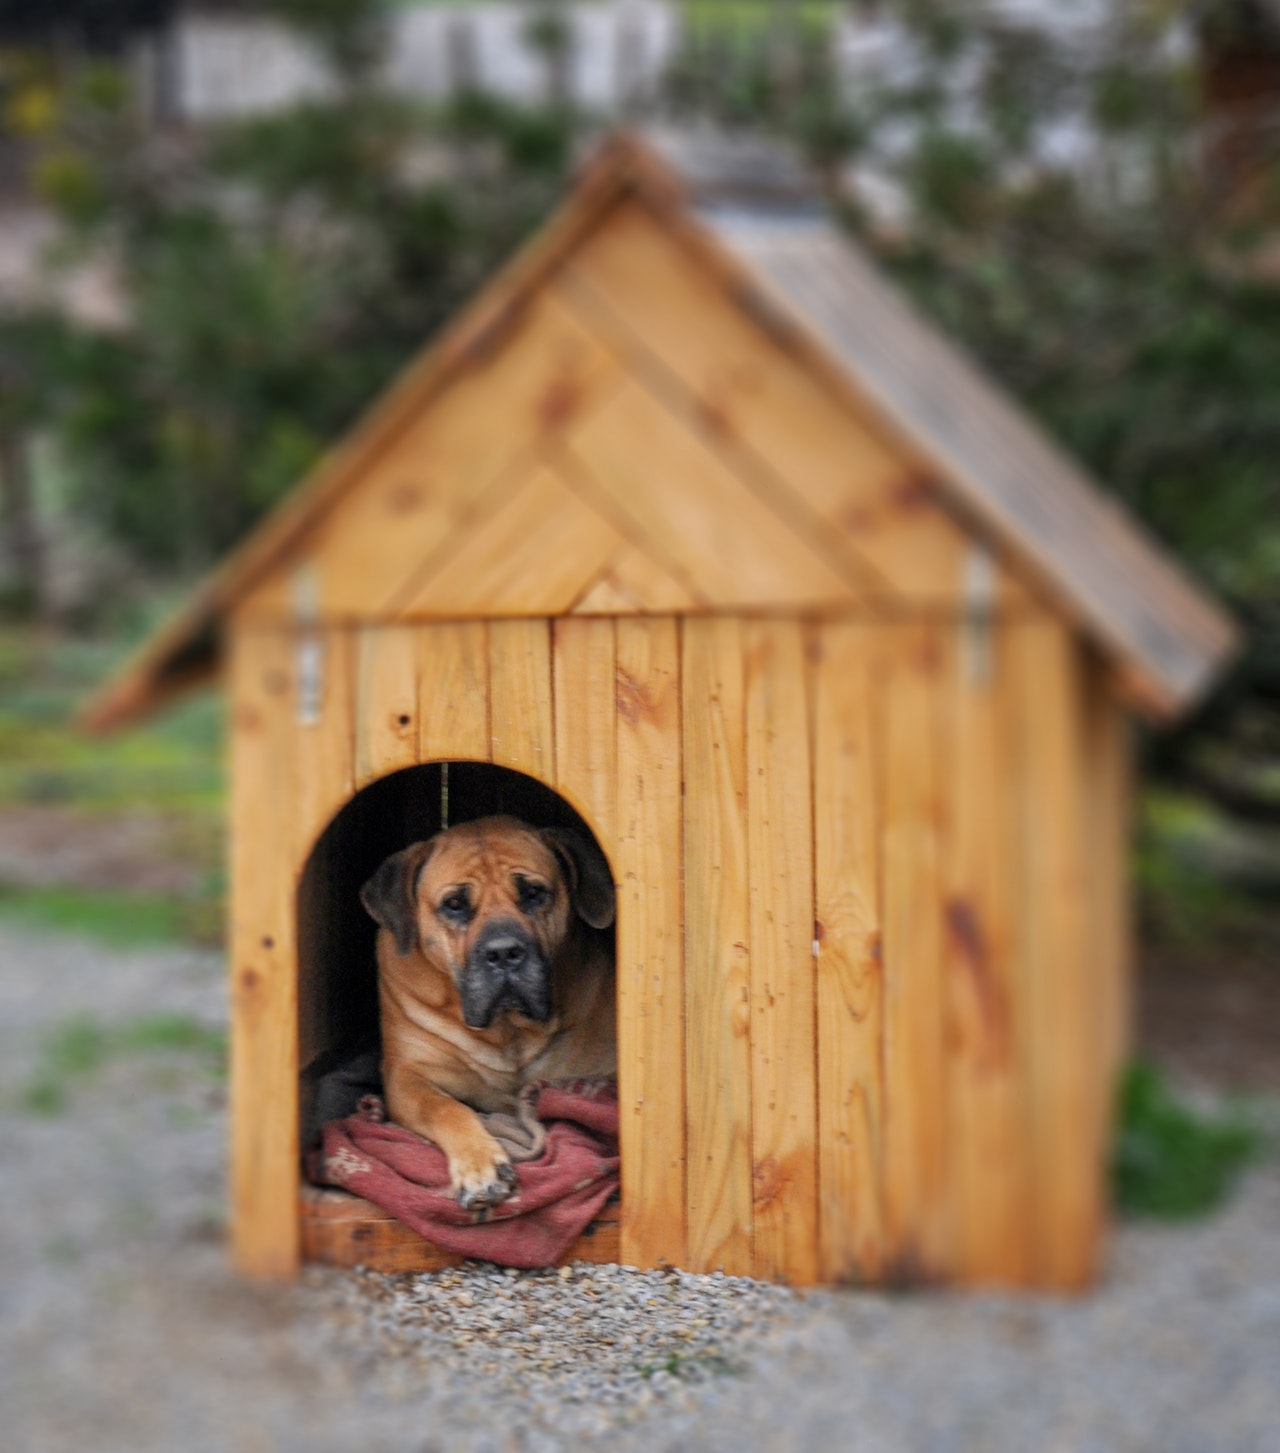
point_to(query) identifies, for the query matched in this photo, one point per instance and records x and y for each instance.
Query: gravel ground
(121, 1328)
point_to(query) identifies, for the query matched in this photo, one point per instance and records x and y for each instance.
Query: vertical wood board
(717, 956)
(585, 672)
(264, 990)
(916, 1209)
(985, 1121)
(453, 691)
(850, 990)
(780, 869)
(521, 711)
(1066, 1054)
(650, 943)
(386, 734)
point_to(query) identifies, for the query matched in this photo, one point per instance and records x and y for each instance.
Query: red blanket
(557, 1194)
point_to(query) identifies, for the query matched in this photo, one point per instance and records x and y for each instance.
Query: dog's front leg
(480, 1173)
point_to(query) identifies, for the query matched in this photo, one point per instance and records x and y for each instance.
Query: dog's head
(494, 900)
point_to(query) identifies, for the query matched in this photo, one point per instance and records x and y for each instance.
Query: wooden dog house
(690, 519)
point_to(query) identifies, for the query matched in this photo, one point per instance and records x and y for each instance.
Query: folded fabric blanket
(563, 1142)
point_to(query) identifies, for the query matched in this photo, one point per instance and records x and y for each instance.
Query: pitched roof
(751, 213)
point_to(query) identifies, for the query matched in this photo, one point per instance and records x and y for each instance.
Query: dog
(495, 969)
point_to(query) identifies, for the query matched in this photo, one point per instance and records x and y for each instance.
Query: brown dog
(493, 970)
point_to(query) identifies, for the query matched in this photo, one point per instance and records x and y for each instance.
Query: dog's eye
(456, 904)
(532, 895)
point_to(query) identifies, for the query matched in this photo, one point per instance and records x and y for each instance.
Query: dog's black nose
(506, 953)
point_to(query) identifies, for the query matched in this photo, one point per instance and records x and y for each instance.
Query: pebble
(609, 1340)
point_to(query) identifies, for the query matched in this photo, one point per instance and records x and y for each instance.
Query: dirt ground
(123, 1331)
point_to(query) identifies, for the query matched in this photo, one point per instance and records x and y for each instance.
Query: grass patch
(78, 1050)
(119, 920)
(1170, 1161)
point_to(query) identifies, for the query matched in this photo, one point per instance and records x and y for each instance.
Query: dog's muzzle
(505, 971)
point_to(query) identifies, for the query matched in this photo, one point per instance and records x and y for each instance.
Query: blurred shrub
(1169, 1160)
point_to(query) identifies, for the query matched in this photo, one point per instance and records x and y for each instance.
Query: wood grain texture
(533, 553)
(585, 672)
(1080, 549)
(326, 745)
(1065, 1053)
(448, 468)
(985, 1121)
(386, 727)
(339, 1229)
(850, 993)
(916, 1210)
(521, 711)
(650, 943)
(264, 986)
(453, 691)
(717, 957)
(678, 326)
(324, 754)
(669, 491)
(633, 583)
(1109, 765)
(780, 867)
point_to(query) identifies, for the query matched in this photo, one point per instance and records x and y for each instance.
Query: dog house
(689, 525)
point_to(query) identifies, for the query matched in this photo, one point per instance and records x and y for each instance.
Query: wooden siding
(634, 442)
(870, 1006)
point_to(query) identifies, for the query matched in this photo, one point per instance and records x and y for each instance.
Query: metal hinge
(977, 651)
(310, 650)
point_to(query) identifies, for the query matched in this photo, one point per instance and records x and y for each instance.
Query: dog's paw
(482, 1181)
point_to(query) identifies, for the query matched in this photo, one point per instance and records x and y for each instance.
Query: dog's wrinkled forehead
(476, 854)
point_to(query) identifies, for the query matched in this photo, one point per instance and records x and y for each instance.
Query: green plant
(1170, 1161)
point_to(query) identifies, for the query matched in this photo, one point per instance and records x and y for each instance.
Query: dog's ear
(587, 871)
(389, 895)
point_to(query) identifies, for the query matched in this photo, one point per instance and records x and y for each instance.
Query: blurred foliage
(1170, 1161)
(272, 275)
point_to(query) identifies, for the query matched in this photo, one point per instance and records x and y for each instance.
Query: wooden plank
(668, 491)
(326, 739)
(453, 691)
(585, 666)
(1109, 766)
(780, 868)
(989, 1154)
(850, 990)
(339, 1229)
(532, 554)
(521, 711)
(633, 583)
(1066, 1056)
(386, 728)
(916, 1210)
(263, 990)
(679, 327)
(717, 957)
(647, 861)
(448, 467)
(325, 774)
